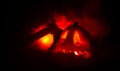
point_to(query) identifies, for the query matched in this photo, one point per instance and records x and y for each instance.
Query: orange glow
(76, 38)
(64, 35)
(76, 53)
(46, 42)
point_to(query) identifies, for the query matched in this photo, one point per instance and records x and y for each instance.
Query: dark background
(21, 14)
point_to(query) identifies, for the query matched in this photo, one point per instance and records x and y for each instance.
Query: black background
(22, 13)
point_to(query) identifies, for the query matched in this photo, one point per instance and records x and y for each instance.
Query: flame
(76, 38)
(46, 41)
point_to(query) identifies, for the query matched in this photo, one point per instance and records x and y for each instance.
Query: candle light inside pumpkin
(76, 38)
(45, 42)
(76, 53)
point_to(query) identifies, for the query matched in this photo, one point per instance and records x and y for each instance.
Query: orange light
(46, 42)
(64, 35)
(76, 38)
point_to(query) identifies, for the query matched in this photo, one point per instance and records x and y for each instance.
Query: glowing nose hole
(64, 35)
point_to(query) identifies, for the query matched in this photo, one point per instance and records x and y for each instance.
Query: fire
(76, 38)
(46, 41)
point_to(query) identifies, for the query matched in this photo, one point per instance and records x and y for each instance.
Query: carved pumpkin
(65, 45)
(73, 47)
(45, 38)
(75, 40)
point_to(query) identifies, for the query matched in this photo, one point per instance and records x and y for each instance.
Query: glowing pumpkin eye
(76, 38)
(45, 42)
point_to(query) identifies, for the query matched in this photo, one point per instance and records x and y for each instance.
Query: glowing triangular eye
(47, 39)
(45, 42)
(76, 38)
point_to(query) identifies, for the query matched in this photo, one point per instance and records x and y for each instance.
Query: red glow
(79, 39)
(45, 42)
(39, 28)
(98, 28)
(87, 54)
(74, 43)
(62, 21)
